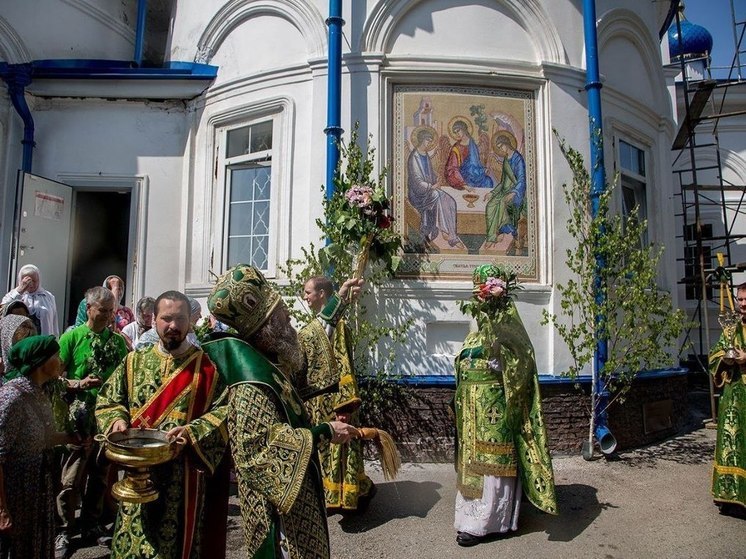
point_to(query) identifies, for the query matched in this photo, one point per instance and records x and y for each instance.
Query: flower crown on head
(493, 288)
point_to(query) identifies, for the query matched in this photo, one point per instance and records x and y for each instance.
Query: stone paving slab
(652, 502)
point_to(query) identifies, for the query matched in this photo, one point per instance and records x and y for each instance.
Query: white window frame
(639, 184)
(279, 111)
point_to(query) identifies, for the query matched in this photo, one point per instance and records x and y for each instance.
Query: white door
(43, 234)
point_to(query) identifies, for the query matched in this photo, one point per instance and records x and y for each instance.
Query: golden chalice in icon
(137, 451)
(470, 198)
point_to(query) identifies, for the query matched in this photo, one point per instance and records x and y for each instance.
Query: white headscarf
(41, 303)
(107, 286)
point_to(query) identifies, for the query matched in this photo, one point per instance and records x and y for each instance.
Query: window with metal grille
(248, 195)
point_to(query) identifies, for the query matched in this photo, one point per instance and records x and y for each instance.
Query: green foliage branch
(633, 316)
(375, 335)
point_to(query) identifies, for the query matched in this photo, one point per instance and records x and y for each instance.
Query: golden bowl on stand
(136, 451)
(470, 199)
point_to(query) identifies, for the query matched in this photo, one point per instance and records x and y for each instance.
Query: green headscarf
(32, 352)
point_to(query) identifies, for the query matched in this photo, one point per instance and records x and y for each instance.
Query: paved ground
(653, 502)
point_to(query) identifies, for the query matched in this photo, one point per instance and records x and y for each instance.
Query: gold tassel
(389, 454)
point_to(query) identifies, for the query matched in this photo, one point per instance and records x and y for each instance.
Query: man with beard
(172, 386)
(272, 441)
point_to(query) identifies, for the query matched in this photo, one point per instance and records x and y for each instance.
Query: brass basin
(136, 451)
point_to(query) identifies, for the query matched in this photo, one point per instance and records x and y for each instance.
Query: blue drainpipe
(142, 11)
(605, 439)
(333, 129)
(17, 77)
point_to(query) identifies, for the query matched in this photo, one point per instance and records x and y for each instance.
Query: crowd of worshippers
(233, 375)
(244, 395)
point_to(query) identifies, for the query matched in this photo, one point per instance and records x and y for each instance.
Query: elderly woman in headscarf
(41, 303)
(13, 328)
(145, 310)
(14, 307)
(27, 436)
(122, 315)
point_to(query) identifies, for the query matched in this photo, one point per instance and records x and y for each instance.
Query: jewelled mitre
(242, 298)
(484, 271)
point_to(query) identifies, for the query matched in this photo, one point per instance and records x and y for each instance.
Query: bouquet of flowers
(493, 289)
(357, 215)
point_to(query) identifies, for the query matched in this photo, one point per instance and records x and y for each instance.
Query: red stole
(195, 379)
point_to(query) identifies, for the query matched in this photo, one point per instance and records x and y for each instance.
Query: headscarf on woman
(15, 307)
(41, 303)
(123, 315)
(32, 352)
(9, 328)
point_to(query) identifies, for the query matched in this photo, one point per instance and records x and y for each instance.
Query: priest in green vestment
(172, 386)
(273, 443)
(501, 439)
(327, 343)
(729, 471)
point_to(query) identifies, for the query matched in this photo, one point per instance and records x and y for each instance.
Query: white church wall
(419, 48)
(107, 142)
(271, 56)
(102, 30)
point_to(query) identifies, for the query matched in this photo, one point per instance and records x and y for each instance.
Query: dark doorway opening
(100, 243)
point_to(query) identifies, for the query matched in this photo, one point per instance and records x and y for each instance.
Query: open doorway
(100, 242)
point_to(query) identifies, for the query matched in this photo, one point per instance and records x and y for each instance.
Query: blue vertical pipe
(17, 77)
(598, 185)
(142, 11)
(333, 128)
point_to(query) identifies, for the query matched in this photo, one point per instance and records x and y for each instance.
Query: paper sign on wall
(48, 206)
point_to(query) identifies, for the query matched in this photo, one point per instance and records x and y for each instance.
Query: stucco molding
(306, 18)
(378, 31)
(103, 17)
(626, 24)
(12, 48)
(729, 160)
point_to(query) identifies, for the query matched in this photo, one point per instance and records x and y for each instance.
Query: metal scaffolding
(713, 208)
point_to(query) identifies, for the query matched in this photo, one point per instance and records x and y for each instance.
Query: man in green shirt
(89, 353)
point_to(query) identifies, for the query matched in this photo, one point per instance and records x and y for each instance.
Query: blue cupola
(695, 42)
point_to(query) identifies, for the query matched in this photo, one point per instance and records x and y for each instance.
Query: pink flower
(359, 196)
(496, 287)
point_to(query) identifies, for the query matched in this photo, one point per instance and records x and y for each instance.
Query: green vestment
(155, 530)
(499, 421)
(342, 465)
(273, 447)
(497, 213)
(729, 471)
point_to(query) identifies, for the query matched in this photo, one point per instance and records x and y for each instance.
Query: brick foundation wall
(421, 421)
